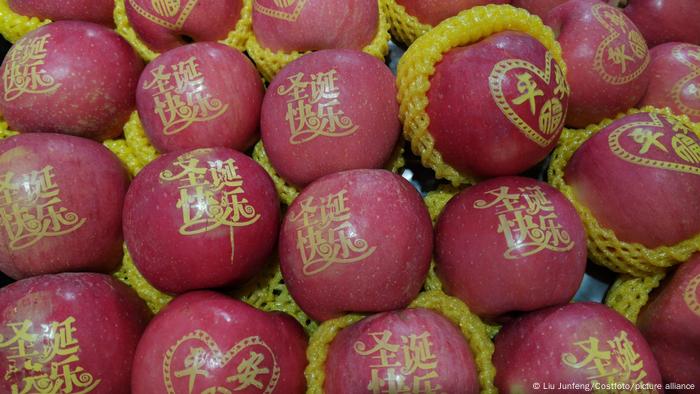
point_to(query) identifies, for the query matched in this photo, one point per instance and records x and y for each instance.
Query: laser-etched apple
(662, 21)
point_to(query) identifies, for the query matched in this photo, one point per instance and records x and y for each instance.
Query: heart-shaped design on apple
(691, 295)
(686, 92)
(280, 9)
(171, 15)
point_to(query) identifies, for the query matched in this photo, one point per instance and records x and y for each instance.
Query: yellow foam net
(13, 25)
(629, 294)
(404, 26)
(604, 248)
(417, 66)
(236, 38)
(269, 63)
(134, 149)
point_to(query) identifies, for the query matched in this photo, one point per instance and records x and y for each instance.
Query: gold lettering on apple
(24, 73)
(168, 13)
(167, 8)
(278, 9)
(690, 296)
(690, 82)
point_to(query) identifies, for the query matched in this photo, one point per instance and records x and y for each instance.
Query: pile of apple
(204, 219)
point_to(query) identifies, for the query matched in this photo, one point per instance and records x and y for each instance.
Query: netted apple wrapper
(269, 62)
(13, 25)
(604, 247)
(236, 38)
(404, 26)
(628, 294)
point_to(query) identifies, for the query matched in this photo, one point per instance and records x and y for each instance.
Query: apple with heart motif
(97, 11)
(510, 244)
(413, 350)
(206, 342)
(200, 95)
(538, 7)
(668, 323)
(201, 219)
(580, 347)
(663, 21)
(432, 12)
(310, 25)
(355, 241)
(607, 59)
(352, 120)
(506, 114)
(60, 206)
(58, 79)
(640, 177)
(165, 24)
(69, 333)
(675, 79)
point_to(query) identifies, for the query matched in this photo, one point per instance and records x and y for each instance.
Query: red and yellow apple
(663, 21)
(432, 12)
(97, 11)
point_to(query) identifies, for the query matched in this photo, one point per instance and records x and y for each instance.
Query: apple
(627, 172)
(575, 348)
(663, 21)
(61, 204)
(668, 322)
(330, 111)
(205, 342)
(97, 11)
(70, 77)
(413, 350)
(69, 333)
(309, 25)
(200, 95)
(504, 115)
(538, 7)
(201, 219)
(432, 12)
(510, 244)
(166, 24)
(675, 79)
(355, 241)
(607, 59)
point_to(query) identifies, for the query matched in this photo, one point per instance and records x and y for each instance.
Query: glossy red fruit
(510, 245)
(205, 342)
(198, 96)
(98, 11)
(355, 241)
(61, 205)
(504, 115)
(432, 12)
(330, 111)
(538, 7)
(58, 79)
(414, 350)
(69, 333)
(201, 219)
(663, 21)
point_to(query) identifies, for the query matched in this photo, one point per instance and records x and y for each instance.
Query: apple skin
(602, 91)
(209, 20)
(107, 321)
(469, 244)
(91, 183)
(532, 349)
(667, 320)
(538, 7)
(432, 12)
(348, 371)
(366, 93)
(227, 323)
(663, 21)
(632, 199)
(97, 11)
(672, 65)
(388, 235)
(175, 254)
(89, 94)
(229, 84)
(470, 130)
(320, 24)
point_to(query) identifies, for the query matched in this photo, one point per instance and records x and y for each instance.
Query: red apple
(538, 7)
(205, 342)
(575, 348)
(61, 201)
(97, 11)
(414, 350)
(663, 21)
(504, 115)
(432, 12)
(520, 237)
(309, 25)
(675, 79)
(669, 323)
(355, 241)
(330, 111)
(70, 77)
(200, 95)
(201, 219)
(166, 24)
(607, 59)
(69, 333)
(640, 177)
